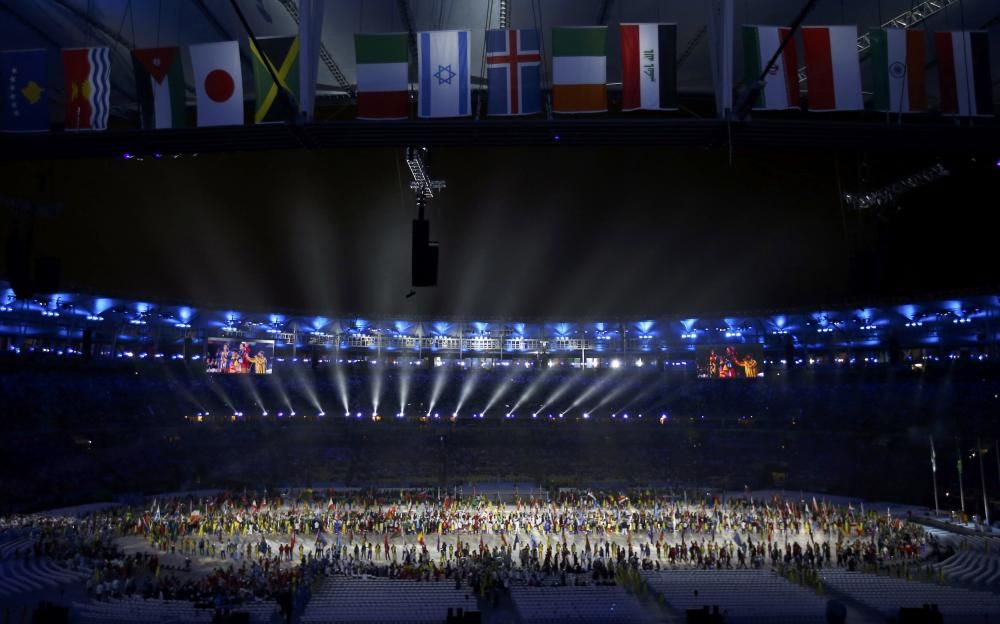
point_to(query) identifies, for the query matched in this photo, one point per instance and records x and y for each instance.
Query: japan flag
(218, 82)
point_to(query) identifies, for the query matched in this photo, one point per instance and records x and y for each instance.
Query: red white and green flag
(580, 69)
(963, 59)
(833, 68)
(649, 72)
(159, 86)
(383, 63)
(898, 58)
(781, 85)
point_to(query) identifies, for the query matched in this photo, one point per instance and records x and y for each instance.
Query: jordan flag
(649, 59)
(898, 70)
(218, 83)
(282, 54)
(964, 72)
(833, 68)
(781, 85)
(88, 88)
(159, 84)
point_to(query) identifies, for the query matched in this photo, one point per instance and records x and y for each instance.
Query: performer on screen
(222, 361)
(713, 365)
(749, 366)
(259, 363)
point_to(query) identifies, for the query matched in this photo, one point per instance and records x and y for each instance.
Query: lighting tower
(424, 252)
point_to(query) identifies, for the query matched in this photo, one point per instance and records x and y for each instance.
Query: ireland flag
(579, 69)
(443, 60)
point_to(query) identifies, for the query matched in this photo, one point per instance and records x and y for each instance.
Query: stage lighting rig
(886, 196)
(424, 260)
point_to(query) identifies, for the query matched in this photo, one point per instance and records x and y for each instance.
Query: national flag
(443, 59)
(781, 85)
(898, 59)
(513, 72)
(383, 63)
(88, 88)
(833, 68)
(963, 59)
(218, 83)
(159, 86)
(276, 102)
(579, 69)
(25, 74)
(649, 66)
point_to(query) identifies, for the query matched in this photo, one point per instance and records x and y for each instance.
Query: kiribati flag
(513, 72)
(88, 88)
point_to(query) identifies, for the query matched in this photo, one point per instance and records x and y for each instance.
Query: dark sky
(555, 232)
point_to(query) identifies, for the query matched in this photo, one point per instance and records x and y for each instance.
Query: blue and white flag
(513, 72)
(445, 82)
(26, 103)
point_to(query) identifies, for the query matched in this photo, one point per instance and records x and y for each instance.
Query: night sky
(553, 232)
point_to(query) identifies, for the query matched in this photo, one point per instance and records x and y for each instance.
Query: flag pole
(937, 509)
(982, 483)
(961, 490)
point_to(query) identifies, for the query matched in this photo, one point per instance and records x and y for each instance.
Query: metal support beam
(214, 21)
(908, 19)
(692, 45)
(407, 16)
(324, 54)
(504, 14)
(602, 17)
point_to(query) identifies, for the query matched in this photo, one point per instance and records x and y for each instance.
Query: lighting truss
(907, 19)
(887, 195)
(422, 185)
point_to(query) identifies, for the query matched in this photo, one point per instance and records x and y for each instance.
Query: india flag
(443, 60)
(382, 76)
(833, 68)
(781, 85)
(579, 69)
(898, 58)
(964, 72)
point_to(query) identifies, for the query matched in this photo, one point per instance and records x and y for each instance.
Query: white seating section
(598, 603)
(887, 594)
(19, 576)
(179, 611)
(973, 568)
(386, 601)
(743, 596)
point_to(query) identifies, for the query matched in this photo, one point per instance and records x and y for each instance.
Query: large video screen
(232, 356)
(730, 361)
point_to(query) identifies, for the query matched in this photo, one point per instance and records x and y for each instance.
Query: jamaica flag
(282, 54)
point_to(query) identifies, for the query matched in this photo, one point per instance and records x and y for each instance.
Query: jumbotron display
(235, 356)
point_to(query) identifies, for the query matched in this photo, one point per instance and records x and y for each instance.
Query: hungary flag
(964, 72)
(159, 84)
(898, 58)
(382, 76)
(833, 67)
(282, 55)
(781, 85)
(579, 69)
(649, 73)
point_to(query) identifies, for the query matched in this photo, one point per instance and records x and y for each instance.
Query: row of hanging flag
(514, 75)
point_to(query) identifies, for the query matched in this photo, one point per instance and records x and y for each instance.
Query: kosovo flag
(25, 103)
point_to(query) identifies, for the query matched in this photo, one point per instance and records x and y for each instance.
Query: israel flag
(445, 83)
